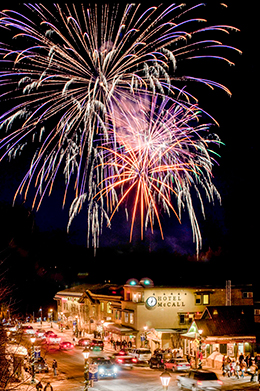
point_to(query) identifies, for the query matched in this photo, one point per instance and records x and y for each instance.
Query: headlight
(114, 369)
(101, 370)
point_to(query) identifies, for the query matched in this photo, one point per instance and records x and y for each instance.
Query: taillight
(119, 360)
(220, 382)
(199, 383)
(134, 359)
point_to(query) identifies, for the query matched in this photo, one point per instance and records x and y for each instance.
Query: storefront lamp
(33, 339)
(165, 379)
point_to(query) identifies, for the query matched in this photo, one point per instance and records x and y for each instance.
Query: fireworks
(96, 92)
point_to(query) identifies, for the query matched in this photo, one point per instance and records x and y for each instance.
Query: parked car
(66, 345)
(84, 342)
(197, 380)
(177, 364)
(106, 368)
(97, 342)
(142, 354)
(40, 366)
(157, 361)
(124, 360)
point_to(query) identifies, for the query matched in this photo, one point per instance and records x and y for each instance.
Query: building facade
(146, 315)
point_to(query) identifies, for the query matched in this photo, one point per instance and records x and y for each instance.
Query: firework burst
(66, 81)
(163, 152)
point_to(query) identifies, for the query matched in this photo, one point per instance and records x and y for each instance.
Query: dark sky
(42, 258)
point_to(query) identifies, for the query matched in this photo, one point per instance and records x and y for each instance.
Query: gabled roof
(227, 320)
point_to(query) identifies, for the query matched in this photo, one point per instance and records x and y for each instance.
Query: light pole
(165, 379)
(40, 310)
(51, 315)
(33, 339)
(86, 353)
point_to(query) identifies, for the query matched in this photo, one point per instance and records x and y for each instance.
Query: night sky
(40, 257)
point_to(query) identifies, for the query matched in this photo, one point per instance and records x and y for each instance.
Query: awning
(230, 339)
(173, 331)
(191, 335)
(119, 329)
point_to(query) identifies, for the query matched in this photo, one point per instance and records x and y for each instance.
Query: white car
(142, 354)
(199, 380)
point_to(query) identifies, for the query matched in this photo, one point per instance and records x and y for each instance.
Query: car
(40, 333)
(97, 342)
(142, 354)
(197, 380)
(106, 367)
(53, 339)
(49, 333)
(177, 364)
(124, 360)
(40, 366)
(84, 342)
(66, 345)
(157, 360)
(28, 330)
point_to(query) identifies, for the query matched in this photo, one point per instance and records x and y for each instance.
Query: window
(102, 307)
(202, 298)
(247, 295)
(126, 317)
(182, 319)
(109, 311)
(127, 296)
(206, 299)
(131, 318)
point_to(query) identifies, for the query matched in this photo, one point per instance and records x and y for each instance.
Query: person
(252, 370)
(237, 369)
(54, 366)
(242, 367)
(48, 387)
(39, 386)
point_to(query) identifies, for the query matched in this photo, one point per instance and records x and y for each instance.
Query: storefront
(227, 330)
(117, 332)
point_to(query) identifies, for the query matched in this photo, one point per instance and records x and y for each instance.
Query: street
(71, 370)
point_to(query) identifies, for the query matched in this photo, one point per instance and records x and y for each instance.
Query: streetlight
(165, 379)
(33, 339)
(86, 353)
(51, 315)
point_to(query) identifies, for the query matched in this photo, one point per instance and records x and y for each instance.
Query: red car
(66, 345)
(177, 364)
(84, 342)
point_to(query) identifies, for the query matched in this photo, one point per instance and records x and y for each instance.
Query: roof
(227, 320)
(106, 289)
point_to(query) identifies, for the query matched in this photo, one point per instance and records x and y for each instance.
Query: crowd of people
(238, 368)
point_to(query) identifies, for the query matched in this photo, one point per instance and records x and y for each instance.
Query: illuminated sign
(165, 301)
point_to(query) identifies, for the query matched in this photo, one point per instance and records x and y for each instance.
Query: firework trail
(69, 73)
